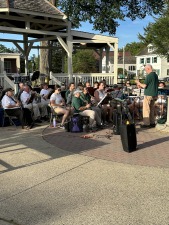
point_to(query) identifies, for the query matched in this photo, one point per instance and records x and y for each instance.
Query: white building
(9, 62)
(126, 61)
(159, 64)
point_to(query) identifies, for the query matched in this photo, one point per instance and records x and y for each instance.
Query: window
(148, 60)
(150, 49)
(132, 68)
(167, 72)
(142, 61)
(154, 60)
(7, 66)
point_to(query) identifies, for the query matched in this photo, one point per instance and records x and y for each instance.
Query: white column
(107, 58)
(1, 65)
(123, 61)
(70, 50)
(167, 122)
(115, 62)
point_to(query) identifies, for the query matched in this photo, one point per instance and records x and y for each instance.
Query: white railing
(90, 77)
(5, 82)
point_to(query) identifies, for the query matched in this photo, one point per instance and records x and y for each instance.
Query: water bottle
(54, 121)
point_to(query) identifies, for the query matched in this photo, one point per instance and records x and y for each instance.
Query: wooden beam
(11, 40)
(19, 47)
(89, 41)
(30, 19)
(63, 44)
(94, 36)
(30, 31)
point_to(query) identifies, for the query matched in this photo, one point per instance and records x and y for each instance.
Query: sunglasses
(59, 89)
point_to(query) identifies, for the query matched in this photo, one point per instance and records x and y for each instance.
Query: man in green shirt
(69, 93)
(150, 94)
(84, 109)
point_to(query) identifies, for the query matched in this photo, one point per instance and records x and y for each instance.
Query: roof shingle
(41, 6)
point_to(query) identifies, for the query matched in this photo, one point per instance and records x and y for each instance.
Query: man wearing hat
(84, 109)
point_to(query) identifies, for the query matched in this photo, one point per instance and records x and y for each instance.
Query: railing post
(50, 77)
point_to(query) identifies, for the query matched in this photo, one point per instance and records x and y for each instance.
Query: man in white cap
(84, 109)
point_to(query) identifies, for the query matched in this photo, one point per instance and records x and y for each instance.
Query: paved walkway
(152, 148)
(50, 177)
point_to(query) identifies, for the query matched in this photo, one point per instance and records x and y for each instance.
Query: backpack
(162, 120)
(75, 125)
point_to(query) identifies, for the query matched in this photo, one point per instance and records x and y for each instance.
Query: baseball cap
(77, 91)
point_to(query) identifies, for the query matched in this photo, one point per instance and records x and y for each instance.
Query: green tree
(56, 62)
(84, 62)
(104, 15)
(134, 47)
(157, 34)
(4, 49)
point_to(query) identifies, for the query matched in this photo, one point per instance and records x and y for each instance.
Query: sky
(127, 32)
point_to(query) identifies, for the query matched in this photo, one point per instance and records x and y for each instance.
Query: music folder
(101, 100)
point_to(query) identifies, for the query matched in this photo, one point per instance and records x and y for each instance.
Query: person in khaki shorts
(150, 94)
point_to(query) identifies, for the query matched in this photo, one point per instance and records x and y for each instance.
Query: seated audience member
(13, 108)
(100, 94)
(88, 99)
(69, 94)
(44, 93)
(59, 106)
(28, 101)
(85, 109)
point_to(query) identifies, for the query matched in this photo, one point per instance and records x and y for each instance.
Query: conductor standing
(150, 94)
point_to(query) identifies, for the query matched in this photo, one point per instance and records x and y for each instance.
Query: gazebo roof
(40, 6)
(32, 17)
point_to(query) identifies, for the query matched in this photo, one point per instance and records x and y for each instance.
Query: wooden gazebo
(40, 21)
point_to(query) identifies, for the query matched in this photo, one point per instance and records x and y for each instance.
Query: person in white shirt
(13, 108)
(28, 101)
(44, 93)
(58, 104)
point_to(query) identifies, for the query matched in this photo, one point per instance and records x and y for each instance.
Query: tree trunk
(44, 53)
(44, 62)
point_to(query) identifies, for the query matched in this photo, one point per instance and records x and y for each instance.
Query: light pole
(123, 60)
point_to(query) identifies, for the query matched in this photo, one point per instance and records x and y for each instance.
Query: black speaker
(128, 137)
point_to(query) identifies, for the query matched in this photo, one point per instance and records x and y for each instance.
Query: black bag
(76, 124)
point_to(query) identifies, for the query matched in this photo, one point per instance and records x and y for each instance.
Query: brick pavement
(152, 144)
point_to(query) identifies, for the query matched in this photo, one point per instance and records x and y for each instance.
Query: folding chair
(54, 114)
(10, 118)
